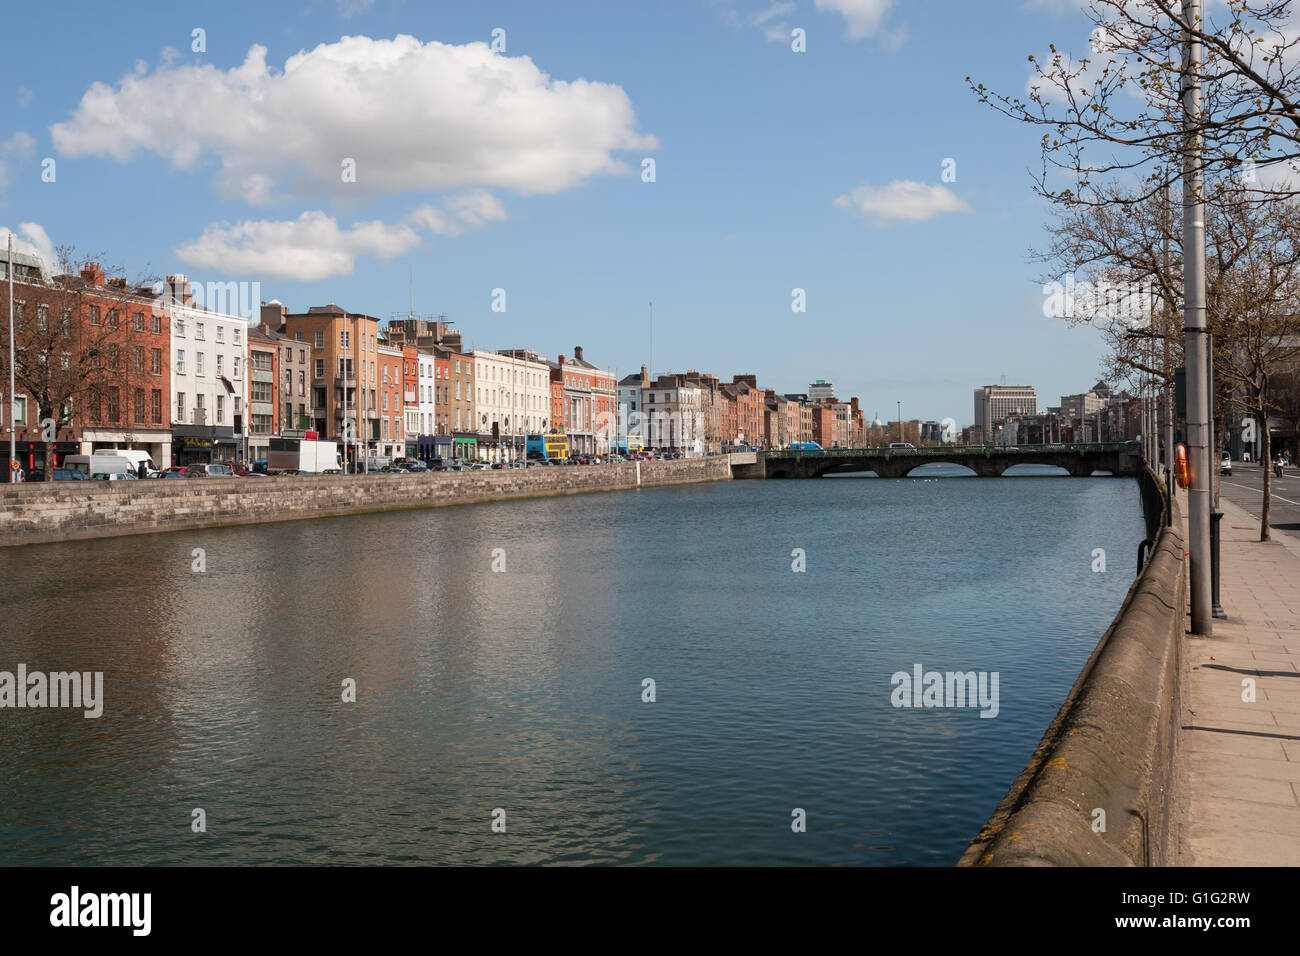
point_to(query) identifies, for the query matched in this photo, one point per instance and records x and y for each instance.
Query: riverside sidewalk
(1238, 764)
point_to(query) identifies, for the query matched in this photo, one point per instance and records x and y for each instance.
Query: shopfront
(201, 445)
(465, 447)
(31, 454)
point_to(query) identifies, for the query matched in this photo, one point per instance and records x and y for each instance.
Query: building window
(345, 339)
(42, 317)
(112, 318)
(139, 322)
(114, 405)
(320, 369)
(180, 361)
(178, 326)
(20, 410)
(221, 329)
(237, 366)
(219, 369)
(302, 384)
(180, 406)
(137, 406)
(198, 331)
(198, 363)
(155, 324)
(155, 361)
(320, 339)
(137, 360)
(157, 406)
(221, 409)
(94, 315)
(297, 337)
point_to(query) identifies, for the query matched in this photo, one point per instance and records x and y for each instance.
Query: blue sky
(495, 176)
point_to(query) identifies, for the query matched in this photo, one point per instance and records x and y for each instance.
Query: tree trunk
(49, 461)
(1265, 460)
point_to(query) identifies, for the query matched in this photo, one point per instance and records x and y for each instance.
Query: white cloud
(414, 116)
(770, 20)
(18, 148)
(308, 248)
(20, 145)
(462, 213)
(314, 246)
(902, 200)
(31, 239)
(863, 17)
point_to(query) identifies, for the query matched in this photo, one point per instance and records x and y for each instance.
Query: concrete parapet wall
(37, 512)
(1111, 745)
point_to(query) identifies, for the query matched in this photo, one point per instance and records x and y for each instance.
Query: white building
(512, 392)
(821, 391)
(428, 384)
(209, 353)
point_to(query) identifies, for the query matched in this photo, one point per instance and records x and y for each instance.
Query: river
(514, 698)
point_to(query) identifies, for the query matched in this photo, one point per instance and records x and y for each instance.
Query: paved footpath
(1238, 764)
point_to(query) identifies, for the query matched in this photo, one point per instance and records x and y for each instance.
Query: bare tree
(74, 350)
(1119, 109)
(1128, 254)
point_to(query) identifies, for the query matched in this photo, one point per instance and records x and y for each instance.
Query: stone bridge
(1120, 459)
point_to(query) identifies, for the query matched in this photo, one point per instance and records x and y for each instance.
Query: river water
(515, 698)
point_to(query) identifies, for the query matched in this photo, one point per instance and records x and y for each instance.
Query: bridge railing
(935, 451)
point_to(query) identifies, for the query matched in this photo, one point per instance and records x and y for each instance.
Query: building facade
(208, 379)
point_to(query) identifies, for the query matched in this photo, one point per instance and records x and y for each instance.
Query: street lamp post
(900, 421)
(13, 428)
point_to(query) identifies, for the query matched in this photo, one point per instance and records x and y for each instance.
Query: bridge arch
(920, 470)
(1040, 470)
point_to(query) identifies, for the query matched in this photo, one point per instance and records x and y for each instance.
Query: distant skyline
(329, 149)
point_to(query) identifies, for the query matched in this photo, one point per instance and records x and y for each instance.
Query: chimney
(561, 358)
(92, 273)
(645, 375)
(179, 286)
(577, 352)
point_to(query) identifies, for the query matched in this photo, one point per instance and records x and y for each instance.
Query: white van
(136, 458)
(99, 463)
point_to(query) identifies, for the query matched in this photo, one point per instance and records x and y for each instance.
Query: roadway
(1245, 489)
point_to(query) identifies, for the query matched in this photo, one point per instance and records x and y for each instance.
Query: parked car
(114, 476)
(414, 465)
(1225, 464)
(895, 445)
(209, 470)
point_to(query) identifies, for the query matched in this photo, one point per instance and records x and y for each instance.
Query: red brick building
(97, 347)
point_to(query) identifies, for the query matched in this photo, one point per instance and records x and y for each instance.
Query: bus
(631, 445)
(551, 445)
